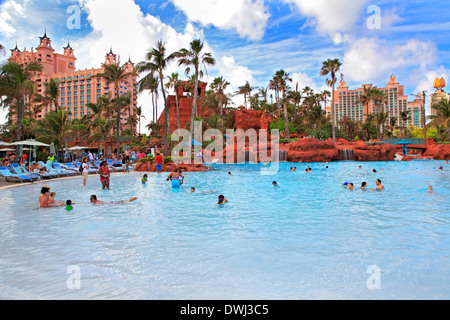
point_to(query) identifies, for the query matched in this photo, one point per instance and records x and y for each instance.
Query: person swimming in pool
(222, 200)
(177, 179)
(363, 186)
(430, 189)
(203, 192)
(379, 185)
(275, 185)
(94, 200)
(144, 179)
(69, 206)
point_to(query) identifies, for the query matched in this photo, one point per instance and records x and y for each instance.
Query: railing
(410, 140)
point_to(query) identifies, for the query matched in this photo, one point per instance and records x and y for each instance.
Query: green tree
(442, 117)
(157, 61)
(195, 57)
(219, 85)
(174, 82)
(331, 68)
(115, 73)
(54, 127)
(16, 85)
(245, 90)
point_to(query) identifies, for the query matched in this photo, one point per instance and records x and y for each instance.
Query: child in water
(69, 206)
(144, 179)
(275, 185)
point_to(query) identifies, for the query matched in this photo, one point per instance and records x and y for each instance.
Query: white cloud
(331, 16)
(10, 12)
(372, 59)
(247, 17)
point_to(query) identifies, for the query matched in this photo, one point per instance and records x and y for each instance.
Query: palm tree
(51, 94)
(54, 127)
(102, 127)
(16, 84)
(2, 50)
(331, 67)
(157, 61)
(296, 98)
(219, 85)
(139, 117)
(174, 82)
(442, 116)
(405, 116)
(245, 90)
(114, 74)
(381, 118)
(153, 127)
(194, 57)
(282, 78)
(150, 82)
(365, 99)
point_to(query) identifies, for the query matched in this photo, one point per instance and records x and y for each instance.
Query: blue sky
(252, 39)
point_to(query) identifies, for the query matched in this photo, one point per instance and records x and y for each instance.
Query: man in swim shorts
(379, 185)
(159, 163)
(94, 200)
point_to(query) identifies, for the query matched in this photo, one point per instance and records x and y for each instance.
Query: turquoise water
(310, 239)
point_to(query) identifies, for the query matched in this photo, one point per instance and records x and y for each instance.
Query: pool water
(310, 239)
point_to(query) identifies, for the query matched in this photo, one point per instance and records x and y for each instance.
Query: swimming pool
(310, 239)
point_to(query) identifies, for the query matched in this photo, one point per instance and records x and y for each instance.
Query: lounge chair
(51, 166)
(59, 168)
(112, 167)
(73, 167)
(41, 175)
(10, 177)
(18, 170)
(50, 170)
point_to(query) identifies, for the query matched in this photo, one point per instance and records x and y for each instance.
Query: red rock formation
(312, 150)
(438, 151)
(246, 119)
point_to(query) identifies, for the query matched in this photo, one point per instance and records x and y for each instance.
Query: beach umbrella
(77, 148)
(8, 150)
(403, 142)
(4, 143)
(30, 142)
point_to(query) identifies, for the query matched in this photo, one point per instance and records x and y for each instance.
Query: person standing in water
(379, 185)
(222, 200)
(104, 175)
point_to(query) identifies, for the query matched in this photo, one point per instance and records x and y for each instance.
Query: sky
(250, 39)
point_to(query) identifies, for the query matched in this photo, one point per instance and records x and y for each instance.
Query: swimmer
(144, 179)
(351, 186)
(222, 200)
(375, 171)
(345, 185)
(203, 192)
(275, 185)
(94, 200)
(309, 170)
(229, 173)
(430, 189)
(69, 206)
(363, 186)
(441, 168)
(379, 185)
(360, 167)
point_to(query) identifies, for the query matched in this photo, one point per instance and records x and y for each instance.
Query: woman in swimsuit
(104, 175)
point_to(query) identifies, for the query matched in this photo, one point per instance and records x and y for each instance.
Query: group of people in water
(47, 200)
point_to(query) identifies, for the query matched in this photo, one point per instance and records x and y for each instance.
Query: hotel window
(88, 92)
(62, 100)
(63, 89)
(75, 93)
(75, 78)
(82, 98)
(75, 88)
(81, 93)
(75, 98)
(69, 99)
(69, 94)
(82, 76)
(99, 79)
(69, 78)
(82, 103)
(75, 104)
(99, 85)
(99, 91)
(62, 105)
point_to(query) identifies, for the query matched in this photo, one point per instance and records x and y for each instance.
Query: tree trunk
(166, 114)
(178, 108)
(20, 111)
(194, 104)
(333, 115)
(286, 120)
(118, 119)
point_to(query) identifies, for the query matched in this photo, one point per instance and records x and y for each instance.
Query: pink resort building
(347, 104)
(77, 87)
